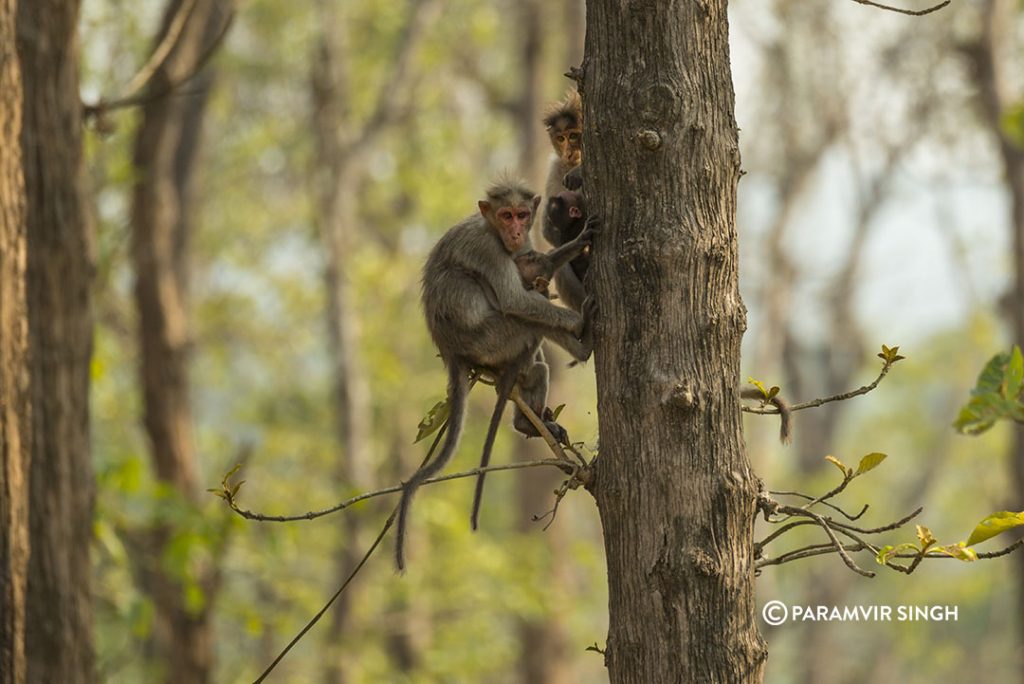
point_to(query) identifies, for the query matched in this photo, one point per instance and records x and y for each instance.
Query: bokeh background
(336, 140)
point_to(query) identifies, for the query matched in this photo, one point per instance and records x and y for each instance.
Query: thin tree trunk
(166, 148)
(15, 406)
(993, 47)
(542, 641)
(674, 487)
(58, 627)
(335, 179)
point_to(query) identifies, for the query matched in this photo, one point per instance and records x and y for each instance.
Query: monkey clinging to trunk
(480, 316)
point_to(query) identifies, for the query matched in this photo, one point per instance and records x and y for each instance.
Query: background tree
(58, 616)
(15, 424)
(262, 369)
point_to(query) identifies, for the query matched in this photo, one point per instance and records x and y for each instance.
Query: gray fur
(480, 316)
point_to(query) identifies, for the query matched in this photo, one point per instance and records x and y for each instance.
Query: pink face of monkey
(512, 223)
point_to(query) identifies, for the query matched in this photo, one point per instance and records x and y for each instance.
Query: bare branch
(162, 51)
(840, 549)
(913, 13)
(132, 98)
(390, 101)
(316, 618)
(563, 465)
(835, 508)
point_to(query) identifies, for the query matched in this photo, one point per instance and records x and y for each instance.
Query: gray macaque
(481, 317)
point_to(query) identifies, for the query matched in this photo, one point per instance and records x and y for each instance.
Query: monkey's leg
(570, 289)
(533, 386)
(579, 348)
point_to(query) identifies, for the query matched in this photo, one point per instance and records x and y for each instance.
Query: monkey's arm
(572, 249)
(570, 288)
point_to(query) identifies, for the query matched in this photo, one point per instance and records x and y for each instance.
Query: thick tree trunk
(675, 490)
(15, 406)
(58, 627)
(166, 147)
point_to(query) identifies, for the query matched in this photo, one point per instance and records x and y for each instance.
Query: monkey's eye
(523, 215)
(574, 136)
(505, 215)
(560, 138)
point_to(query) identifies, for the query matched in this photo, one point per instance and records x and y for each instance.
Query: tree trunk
(676, 493)
(15, 406)
(166, 147)
(993, 46)
(58, 626)
(335, 177)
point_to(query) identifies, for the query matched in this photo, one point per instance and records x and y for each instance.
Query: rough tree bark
(674, 487)
(15, 407)
(58, 624)
(166, 147)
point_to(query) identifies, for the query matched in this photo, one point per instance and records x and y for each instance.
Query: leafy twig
(889, 356)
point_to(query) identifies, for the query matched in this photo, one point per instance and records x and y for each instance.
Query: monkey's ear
(536, 203)
(485, 208)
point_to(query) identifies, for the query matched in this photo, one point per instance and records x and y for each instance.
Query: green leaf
(996, 395)
(772, 393)
(839, 464)
(997, 523)
(434, 419)
(760, 386)
(888, 552)
(925, 536)
(227, 475)
(557, 411)
(870, 462)
(958, 551)
(1014, 374)
(890, 355)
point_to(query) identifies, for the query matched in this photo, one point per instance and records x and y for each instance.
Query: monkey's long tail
(458, 389)
(506, 381)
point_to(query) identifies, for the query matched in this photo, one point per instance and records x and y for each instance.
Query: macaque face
(512, 223)
(566, 137)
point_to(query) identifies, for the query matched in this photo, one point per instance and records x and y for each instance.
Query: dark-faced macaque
(565, 220)
(537, 269)
(481, 317)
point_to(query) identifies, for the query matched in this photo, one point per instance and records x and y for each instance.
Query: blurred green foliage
(260, 379)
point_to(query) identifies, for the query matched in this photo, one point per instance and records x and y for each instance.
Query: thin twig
(771, 410)
(832, 506)
(539, 425)
(320, 614)
(913, 13)
(832, 536)
(394, 489)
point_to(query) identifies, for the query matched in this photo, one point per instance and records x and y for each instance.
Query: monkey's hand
(590, 229)
(556, 430)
